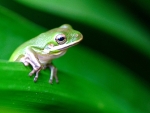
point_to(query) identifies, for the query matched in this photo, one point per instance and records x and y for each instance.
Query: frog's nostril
(77, 37)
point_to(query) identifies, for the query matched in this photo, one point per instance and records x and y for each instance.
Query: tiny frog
(41, 50)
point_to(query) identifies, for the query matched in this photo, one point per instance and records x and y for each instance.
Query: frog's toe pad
(32, 72)
(57, 81)
(26, 63)
(35, 79)
(51, 81)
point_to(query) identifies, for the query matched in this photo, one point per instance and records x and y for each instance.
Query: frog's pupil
(61, 38)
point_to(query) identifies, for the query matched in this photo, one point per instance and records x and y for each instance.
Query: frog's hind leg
(53, 73)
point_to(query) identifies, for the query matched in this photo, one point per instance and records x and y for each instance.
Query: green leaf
(89, 82)
(14, 31)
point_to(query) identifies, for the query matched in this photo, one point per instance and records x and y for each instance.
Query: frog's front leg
(53, 73)
(31, 58)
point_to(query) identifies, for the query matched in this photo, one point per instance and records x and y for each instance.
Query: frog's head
(63, 37)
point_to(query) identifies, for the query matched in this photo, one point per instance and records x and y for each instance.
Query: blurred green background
(108, 72)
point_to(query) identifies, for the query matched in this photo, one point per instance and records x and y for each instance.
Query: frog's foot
(37, 75)
(36, 70)
(53, 74)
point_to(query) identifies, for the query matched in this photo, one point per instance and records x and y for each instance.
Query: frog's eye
(61, 39)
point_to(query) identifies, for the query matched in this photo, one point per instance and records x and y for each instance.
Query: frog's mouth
(64, 46)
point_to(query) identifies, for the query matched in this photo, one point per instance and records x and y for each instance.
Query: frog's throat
(65, 46)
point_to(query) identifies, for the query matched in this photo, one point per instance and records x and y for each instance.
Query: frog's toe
(24, 60)
(32, 72)
(51, 81)
(37, 75)
(57, 81)
(26, 63)
(35, 78)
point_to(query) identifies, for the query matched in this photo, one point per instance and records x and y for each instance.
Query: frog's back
(38, 42)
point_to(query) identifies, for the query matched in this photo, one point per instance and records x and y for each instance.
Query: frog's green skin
(39, 51)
